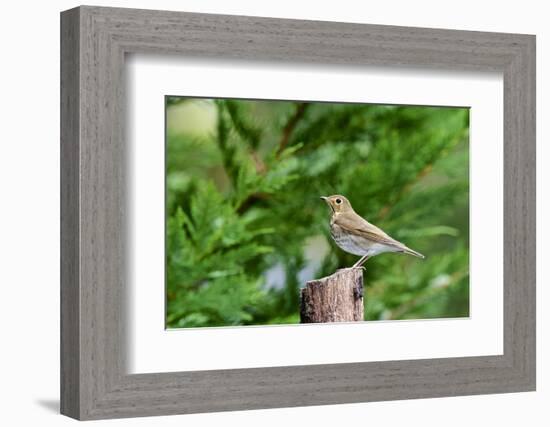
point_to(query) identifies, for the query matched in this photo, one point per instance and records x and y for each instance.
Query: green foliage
(208, 252)
(243, 207)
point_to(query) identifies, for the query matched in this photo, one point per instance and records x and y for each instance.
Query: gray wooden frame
(94, 41)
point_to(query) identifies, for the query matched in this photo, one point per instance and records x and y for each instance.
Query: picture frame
(94, 267)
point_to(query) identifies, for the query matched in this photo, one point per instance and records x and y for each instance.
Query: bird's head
(338, 203)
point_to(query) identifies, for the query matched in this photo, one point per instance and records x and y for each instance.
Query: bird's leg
(361, 261)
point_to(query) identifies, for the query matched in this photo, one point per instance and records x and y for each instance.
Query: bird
(357, 236)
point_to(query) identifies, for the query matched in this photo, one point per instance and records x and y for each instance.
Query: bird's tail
(414, 253)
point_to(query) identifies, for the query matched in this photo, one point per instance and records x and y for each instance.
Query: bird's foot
(353, 267)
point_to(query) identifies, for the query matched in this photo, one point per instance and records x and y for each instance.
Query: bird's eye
(338, 201)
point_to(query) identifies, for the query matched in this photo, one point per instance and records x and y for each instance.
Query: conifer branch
(291, 125)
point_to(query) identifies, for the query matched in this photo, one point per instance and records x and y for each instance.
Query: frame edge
(70, 396)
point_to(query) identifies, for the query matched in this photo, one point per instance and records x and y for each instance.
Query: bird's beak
(326, 199)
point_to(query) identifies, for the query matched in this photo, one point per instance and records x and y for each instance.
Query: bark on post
(336, 298)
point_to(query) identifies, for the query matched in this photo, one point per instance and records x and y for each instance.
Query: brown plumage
(356, 235)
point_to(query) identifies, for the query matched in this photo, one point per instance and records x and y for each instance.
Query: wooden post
(336, 298)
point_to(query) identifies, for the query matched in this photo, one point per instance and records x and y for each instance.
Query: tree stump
(336, 298)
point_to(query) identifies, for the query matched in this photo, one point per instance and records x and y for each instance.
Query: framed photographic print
(262, 213)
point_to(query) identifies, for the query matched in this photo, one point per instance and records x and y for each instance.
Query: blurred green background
(246, 228)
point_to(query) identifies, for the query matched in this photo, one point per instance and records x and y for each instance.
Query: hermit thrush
(356, 235)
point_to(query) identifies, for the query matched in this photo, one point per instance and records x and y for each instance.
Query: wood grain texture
(335, 298)
(94, 240)
(70, 221)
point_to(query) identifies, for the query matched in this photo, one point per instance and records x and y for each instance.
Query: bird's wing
(355, 224)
